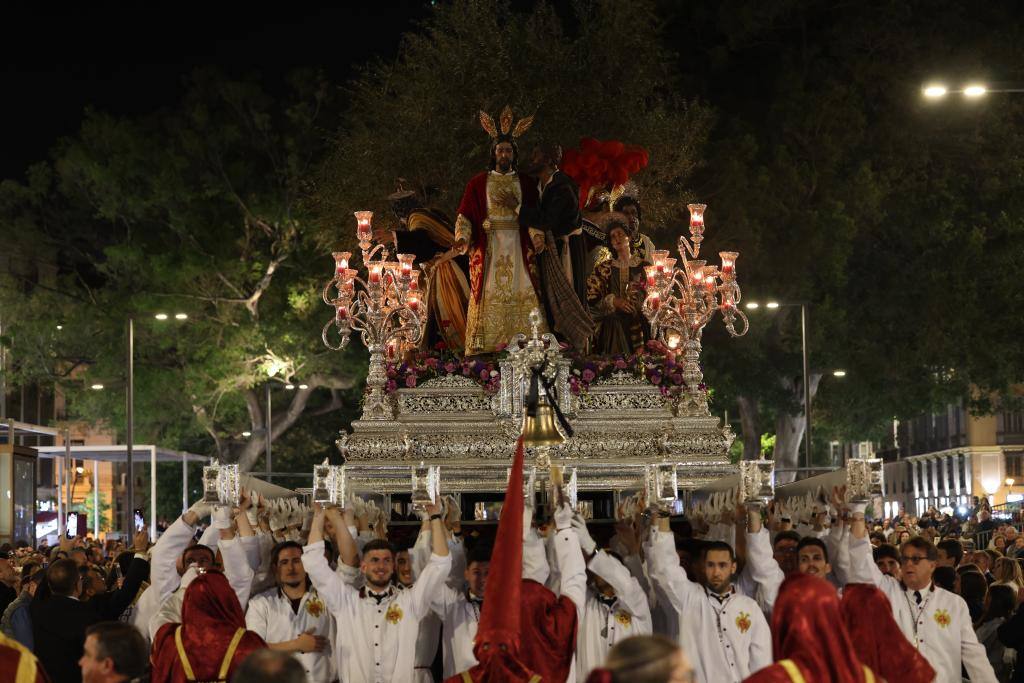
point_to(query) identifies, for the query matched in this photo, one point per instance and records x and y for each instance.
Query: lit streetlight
(96, 387)
(839, 373)
(752, 305)
(935, 91)
(975, 91)
(160, 316)
(247, 434)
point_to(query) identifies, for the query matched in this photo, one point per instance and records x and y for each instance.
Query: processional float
(447, 433)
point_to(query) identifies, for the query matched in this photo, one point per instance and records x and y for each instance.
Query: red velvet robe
(474, 207)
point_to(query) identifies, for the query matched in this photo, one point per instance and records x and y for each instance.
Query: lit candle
(405, 261)
(413, 301)
(654, 301)
(659, 257)
(728, 262)
(341, 261)
(652, 275)
(414, 280)
(341, 313)
(697, 215)
(669, 265)
(363, 229)
(697, 272)
(391, 350)
(375, 269)
(710, 283)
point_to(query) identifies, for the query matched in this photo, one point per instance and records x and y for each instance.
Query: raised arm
(335, 592)
(631, 595)
(348, 553)
(432, 578)
(573, 569)
(761, 565)
(666, 572)
(164, 578)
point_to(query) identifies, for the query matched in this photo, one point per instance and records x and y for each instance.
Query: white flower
(494, 373)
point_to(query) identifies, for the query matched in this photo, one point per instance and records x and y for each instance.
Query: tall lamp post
(774, 306)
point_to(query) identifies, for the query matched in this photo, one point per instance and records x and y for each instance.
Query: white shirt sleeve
(573, 569)
(631, 596)
(667, 574)
(763, 570)
(163, 567)
(419, 553)
(535, 559)
(251, 545)
(760, 642)
(237, 569)
(429, 583)
(257, 618)
(336, 593)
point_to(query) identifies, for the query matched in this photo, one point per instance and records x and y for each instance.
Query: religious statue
(503, 287)
(428, 233)
(615, 294)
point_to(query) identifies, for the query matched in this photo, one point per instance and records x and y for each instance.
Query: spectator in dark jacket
(59, 621)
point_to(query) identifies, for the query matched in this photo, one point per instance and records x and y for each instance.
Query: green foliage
(606, 72)
(899, 221)
(88, 507)
(192, 210)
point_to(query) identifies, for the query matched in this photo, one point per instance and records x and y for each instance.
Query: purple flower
(390, 371)
(485, 375)
(432, 363)
(450, 367)
(677, 379)
(589, 365)
(391, 386)
(663, 390)
(655, 378)
(588, 375)
(410, 381)
(620, 364)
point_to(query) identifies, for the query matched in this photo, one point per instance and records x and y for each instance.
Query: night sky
(129, 60)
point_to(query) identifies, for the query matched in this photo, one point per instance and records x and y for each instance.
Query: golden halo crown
(521, 126)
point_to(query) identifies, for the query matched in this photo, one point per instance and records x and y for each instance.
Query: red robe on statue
(502, 276)
(210, 642)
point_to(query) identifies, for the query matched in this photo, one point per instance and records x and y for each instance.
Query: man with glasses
(934, 620)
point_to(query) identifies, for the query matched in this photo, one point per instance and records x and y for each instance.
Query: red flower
(410, 381)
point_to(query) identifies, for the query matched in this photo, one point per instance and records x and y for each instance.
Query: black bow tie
(917, 597)
(379, 598)
(605, 600)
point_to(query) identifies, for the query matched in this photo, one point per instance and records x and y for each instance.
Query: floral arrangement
(419, 366)
(655, 362)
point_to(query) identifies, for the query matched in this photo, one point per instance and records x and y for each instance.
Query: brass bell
(540, 430)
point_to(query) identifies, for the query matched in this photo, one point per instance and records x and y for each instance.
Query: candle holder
(662, 485)
(681, 301)
(329, 484)
(386, 309)
(221, 484)
(426, 485)
(757, 481)
(865, 479)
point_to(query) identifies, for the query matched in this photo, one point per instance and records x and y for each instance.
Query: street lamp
(96, 387)
(937, 91)
(839, 373)
(774, 305)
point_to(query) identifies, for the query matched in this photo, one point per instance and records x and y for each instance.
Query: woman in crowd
(1008, 573)
(644, 659)
(999, 605)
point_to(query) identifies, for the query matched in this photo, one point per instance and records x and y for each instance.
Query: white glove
(278, 519)
(453, 507)
(856, 507)
(587, 543)
(422, 513)
(221, 518)
(201, 509)
(527, 521)
(563, 517)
